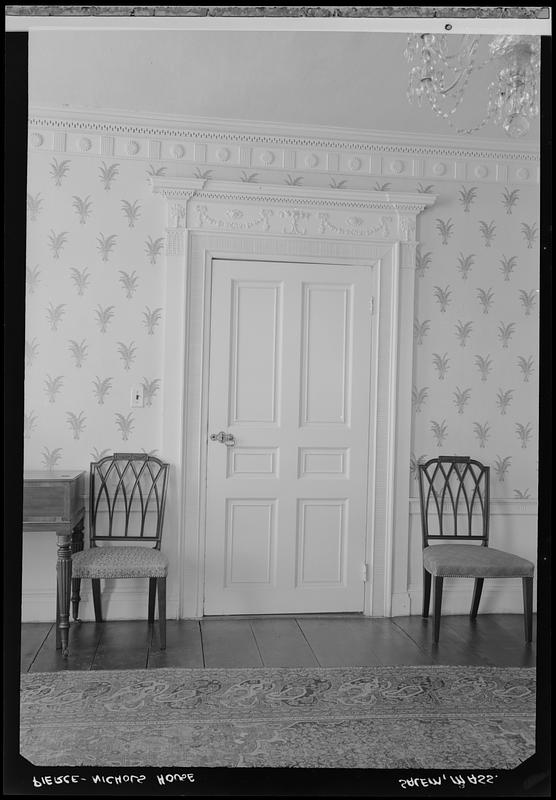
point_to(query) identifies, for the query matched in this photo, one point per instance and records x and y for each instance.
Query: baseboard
(401, 604)
(495, 599)
(116, 604)
(122, 604)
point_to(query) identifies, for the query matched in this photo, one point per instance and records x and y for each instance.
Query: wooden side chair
(127, 496)
(454, 492)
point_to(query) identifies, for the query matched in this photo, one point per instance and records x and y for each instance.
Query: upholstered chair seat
(120, 562)
(474, 561)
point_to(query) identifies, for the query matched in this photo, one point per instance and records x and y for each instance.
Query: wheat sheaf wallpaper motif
(475, 381)
(94, 329)
(95, 315)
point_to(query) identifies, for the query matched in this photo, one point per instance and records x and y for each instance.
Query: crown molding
(280, 148)
(248, 131)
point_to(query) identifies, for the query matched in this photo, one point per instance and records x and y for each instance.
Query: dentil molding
(279, 150)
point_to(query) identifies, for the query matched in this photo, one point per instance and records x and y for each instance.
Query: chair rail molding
(209, 219)
(499, 506)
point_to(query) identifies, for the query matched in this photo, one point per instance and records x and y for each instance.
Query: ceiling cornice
(279, 151)
(248, 131)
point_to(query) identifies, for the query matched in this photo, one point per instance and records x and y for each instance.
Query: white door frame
(209, 220)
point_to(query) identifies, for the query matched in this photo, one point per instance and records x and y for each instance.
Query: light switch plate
(137, 397)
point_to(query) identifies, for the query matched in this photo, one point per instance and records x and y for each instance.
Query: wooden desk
(53, 500)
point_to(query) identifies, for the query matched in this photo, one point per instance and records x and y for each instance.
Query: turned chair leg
(152, 598)
(162, 611)
(75, 598)
(96, 599)
(426, 592)
(528, 608)
(476, 597)
(438, 583)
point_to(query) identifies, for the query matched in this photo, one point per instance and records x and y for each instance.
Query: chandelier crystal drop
(441, 66)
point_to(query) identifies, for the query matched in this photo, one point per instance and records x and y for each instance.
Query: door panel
(290, 365)
(251, 559)
(252, 462)
(326, 348)
(255, 358)
(324, 462)
(322, 526)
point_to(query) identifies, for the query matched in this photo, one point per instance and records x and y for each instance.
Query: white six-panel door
(290, 367)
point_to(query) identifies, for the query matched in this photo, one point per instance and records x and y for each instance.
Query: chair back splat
(127, 498)
(454, 494)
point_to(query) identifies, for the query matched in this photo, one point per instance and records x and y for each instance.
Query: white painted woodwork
(210, 220)
(206, 145)
(290, 366)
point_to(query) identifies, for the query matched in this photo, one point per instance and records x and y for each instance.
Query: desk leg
(63, 575)
(76, 547)
(58, 637)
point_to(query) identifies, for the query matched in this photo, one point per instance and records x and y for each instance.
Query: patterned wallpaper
(95, 315)
(475, 379)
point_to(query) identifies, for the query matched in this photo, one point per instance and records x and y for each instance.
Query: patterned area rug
(365, 717)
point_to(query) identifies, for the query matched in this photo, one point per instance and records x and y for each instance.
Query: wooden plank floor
(280, 641)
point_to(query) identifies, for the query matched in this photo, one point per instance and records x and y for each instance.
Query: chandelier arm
(445, 115)
(448, 89)
(513, 97)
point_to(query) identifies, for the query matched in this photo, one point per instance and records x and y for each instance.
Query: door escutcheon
(224, 438)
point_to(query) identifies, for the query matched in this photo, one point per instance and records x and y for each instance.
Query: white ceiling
(339, 79)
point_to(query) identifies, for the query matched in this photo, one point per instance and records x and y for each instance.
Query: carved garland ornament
(355, 226)
(233, 209)
(233, 218)
(294, 222)
(294, 217)
(231, 224)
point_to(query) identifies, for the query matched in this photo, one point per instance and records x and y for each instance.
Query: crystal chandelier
(440, 73)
